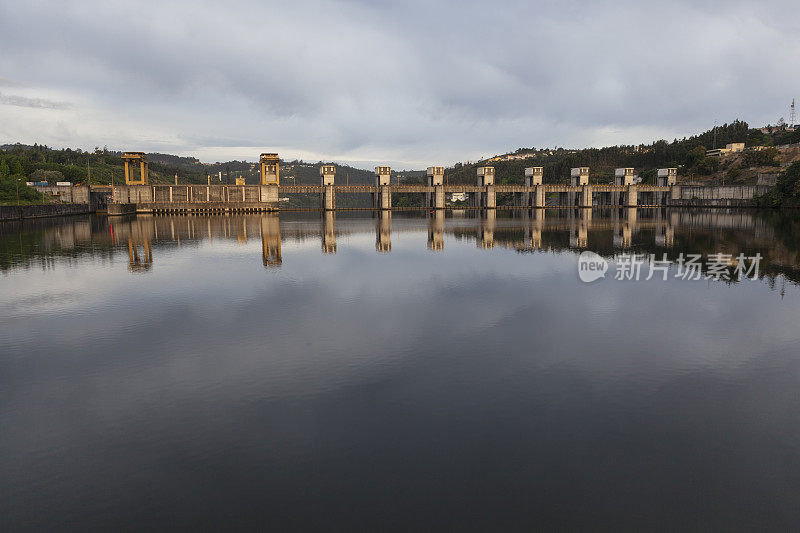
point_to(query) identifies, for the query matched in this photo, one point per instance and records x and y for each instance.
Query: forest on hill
(100, 167)
(688, 155)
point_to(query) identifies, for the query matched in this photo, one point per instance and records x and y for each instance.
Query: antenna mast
(791, 114)
(715, 135)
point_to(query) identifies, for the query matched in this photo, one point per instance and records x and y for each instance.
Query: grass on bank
(13, 191)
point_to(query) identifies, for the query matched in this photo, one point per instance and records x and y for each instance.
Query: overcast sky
(409, 83)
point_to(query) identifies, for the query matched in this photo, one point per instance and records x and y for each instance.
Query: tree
(4, 170)
(695, 155)
(761, 158)
(16, 168)
(649, 176)
(14, 190)
(707, 166)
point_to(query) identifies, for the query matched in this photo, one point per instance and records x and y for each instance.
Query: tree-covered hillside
(40, 163)
(688, 154)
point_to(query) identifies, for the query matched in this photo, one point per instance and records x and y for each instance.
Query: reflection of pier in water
(604, 231)
(139, 262)
(531, 230)
(383, 232)
(436, 231)
(329, 232)
(271, 241)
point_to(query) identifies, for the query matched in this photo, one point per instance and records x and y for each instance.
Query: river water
(404, 371)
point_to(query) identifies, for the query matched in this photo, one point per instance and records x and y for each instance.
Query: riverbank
(786, 192)
(16, 212)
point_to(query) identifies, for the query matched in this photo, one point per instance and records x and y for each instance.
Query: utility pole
(176, 178)
(715, 135)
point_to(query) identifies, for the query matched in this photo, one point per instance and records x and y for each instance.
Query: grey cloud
(418, 81)
(37, 103)
(5, 82)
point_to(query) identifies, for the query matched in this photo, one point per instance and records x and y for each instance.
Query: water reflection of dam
(143, 237)
(270, 240)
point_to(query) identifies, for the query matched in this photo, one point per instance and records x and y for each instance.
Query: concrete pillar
(383, 198)
(435, 180)
(269, 193)
(632, 199)
(538, 196)
(328, 198)
(586, 196)
(674, 194)
(579, 177)
(386, 198)
(438, 197)
(490, 197)
(435, 199)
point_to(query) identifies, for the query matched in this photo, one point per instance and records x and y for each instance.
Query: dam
(139, 196)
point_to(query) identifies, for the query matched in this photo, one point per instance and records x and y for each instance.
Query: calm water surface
(396, 372)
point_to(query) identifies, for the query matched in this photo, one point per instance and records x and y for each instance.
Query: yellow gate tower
(269, 169)
(131, 158)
